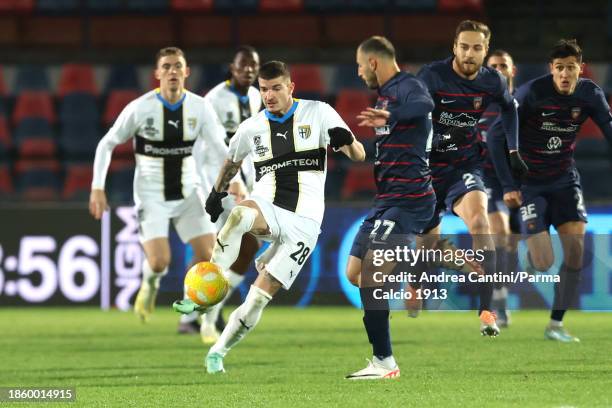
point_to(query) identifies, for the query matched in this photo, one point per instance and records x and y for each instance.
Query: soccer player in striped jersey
(164, 125)
(234, 101)
(405, 199)
(288, 142)
(503, 218)
(462, 89)
(551, 110)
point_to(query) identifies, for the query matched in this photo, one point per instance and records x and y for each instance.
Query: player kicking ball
(287, 142)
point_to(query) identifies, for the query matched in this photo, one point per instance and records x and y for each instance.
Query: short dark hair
(500, 53)
(169, 51)
(274, 69)
(566, 48)
(472, 25)
(378, 45)
(245, 49)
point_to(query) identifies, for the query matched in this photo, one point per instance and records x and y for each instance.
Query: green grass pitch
(298, 358)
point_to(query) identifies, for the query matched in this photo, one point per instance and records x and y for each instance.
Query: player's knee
(241, 217)
(478, 224)
(541, 261)
(158, 262)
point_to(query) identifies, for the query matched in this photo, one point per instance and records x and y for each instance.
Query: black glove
(213, 204)
(517, 165)
(339, 137)
(452, 137)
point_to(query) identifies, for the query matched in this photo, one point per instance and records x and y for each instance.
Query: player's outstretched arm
(213, 202)
(341, 139)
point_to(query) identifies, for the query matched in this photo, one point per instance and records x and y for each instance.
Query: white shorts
(228, 202)
(293, 238)
(188, 216)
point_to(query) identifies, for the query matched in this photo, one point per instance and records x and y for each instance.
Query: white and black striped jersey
(289, 155)
(164, 135)
(233, 109)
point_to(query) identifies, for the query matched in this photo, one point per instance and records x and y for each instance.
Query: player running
(551, 110)
(288, 143)
(462, 89)
(165, 124)
(503, 218)
(405, 199)
(234, 101)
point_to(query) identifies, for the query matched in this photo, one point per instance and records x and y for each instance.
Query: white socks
(242, 320)
(234, 279)
(150, 276)
(555, 324)
(387, 362)
(227, 247)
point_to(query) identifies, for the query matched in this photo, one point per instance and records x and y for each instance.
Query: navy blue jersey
(484, 127)
(401, 166)
(460, 103)
(549, 122)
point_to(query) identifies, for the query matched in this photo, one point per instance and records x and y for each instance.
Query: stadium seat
(34, 138)
(5, 136)
(345, 76)
(457, 6)
(527, 72)
(104, 5)
(77, 181)
(38, 180)
(308, 80)
(34, 104)
(192, 5)
(79, 108)
(119, 183)
(239, 5)
(349, 104)
(6, 179)
(147, 5)
(359, 182)
(420, 5)
(76, 78)
(280, 5)
(116, 101)
(122, 77)
(17, 5)
(57, 5)
(31, 78)
(3, 90)
(324, 5)
(78, 140)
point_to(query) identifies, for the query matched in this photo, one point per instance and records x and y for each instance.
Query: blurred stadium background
(70, 66)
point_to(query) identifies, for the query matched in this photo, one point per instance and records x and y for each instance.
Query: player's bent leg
(235, 275)
(499, 224)
(242, 320)
(472, 208)
(155, 266)
(571, 235)
(540, 255)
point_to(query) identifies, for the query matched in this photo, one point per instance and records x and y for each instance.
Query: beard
(469, 69)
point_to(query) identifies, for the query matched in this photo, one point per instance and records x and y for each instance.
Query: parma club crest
(304, 131)
(192, 123)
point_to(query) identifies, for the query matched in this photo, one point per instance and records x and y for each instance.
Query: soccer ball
(205, 284)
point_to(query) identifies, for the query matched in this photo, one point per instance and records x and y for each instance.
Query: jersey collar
(286, 116)
(170, 106)
(244, 99)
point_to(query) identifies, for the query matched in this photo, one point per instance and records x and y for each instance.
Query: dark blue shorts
(451, 187)
(552, 204)
(385, 225)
